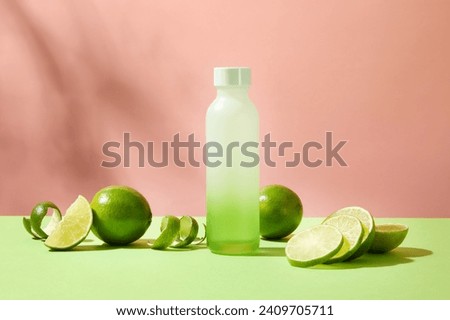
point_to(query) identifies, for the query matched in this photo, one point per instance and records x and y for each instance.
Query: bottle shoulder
(232, 105)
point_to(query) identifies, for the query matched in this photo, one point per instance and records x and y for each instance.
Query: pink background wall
(75, 74)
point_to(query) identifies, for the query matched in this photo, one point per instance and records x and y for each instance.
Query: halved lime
(37, 215)
(388, 237)
(73, 228)
(188, 232)
(367, 223)
(313, 246)
(352, 231)
(170, 226)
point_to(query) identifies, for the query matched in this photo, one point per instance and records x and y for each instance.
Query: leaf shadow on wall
(86, 91)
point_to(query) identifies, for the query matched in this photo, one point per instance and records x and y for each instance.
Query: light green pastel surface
(28, 270)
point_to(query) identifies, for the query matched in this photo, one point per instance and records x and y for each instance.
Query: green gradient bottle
(232, 165)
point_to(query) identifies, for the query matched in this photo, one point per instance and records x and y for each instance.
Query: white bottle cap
(232, 76)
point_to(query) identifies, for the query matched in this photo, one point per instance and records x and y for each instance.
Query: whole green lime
(280, 211)
(121, 215)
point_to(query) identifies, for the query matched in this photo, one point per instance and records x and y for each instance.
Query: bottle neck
(232, 91)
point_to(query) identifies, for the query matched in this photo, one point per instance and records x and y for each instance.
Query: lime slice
(170, 226)
(351, 230)
(188, 232)
(73, 228)
(37, 215)
(388, 237)
(27, 225)
(313, 246)
(367, 223)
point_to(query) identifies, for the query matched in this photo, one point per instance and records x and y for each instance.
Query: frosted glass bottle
(232, 173)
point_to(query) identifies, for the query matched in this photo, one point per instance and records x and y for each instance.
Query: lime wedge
(388, 237)
(313, 246)
(367, 223)
(351, 230)
(73, 228)
(170, 227)
(188, 232)
(37, 215)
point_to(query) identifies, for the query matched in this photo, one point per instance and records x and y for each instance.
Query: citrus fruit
(27, 226)
(280, 211)
(199, 240)
(73, 228)
(388, 237)
(53, 223)
(170, 227)
(121, 215)
(367, 223)
(351, 230)
(37, 215)
(187, 233)
(313, 246)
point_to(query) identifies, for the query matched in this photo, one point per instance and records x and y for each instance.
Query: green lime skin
(38, 214)
(170, 228)
(121, 215)
(388, 237)
(280, 211)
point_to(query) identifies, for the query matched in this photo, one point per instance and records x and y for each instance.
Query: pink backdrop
(75, 74)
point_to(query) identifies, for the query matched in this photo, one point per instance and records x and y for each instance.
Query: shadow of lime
(138, 244)
(397, 256)
(99, 247)
(285, 239)
(412, 252)
(90, 247)
(191, 247)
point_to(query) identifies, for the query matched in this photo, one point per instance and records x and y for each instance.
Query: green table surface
(419, 269)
